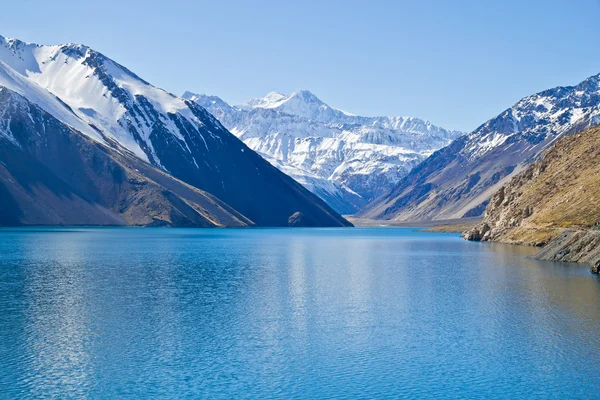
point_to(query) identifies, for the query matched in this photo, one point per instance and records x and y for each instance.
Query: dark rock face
(574, 246)
(477, 210)
(237, 175)
(212, 159)
(53, 175)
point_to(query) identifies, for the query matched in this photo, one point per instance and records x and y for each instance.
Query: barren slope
(556, 199)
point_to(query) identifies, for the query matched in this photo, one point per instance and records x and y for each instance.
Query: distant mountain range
(345, 159)
(80, 132)
(458, 180)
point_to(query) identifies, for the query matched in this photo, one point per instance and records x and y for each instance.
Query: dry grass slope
(556, 199)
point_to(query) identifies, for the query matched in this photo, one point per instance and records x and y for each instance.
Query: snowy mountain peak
(591, 84)
(306, 96)
(302, 103)
(14, 43)
(345, 159)
(100, 92)
(104, 100)
(204, 98)
(19, 47)
(271, 99)
(276, 99)
(457, 181)
(539, 118)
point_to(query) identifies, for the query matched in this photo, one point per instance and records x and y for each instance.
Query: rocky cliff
(554, 203)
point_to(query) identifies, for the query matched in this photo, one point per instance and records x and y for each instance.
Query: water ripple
(274, 313)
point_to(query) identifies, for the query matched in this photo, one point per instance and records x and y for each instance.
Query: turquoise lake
(365, 313)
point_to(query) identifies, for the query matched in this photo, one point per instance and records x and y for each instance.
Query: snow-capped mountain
(458, 180)
(51, 174)
(113, 106)
(346, 159)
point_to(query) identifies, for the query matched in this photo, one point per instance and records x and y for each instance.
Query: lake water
(290, 313)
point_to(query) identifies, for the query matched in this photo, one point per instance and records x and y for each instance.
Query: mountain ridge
(51, 174)
(457, 181)
(126, 113)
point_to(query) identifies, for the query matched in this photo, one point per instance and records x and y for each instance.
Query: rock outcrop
(574, 246)
(297, 219)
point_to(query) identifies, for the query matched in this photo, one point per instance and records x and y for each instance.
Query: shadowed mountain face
(458, 181)
(114, 107)
(345, 159)
(53, 175)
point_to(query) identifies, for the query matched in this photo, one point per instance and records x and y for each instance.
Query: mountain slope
(122, 111)
(554, 202)
(345, 159)
(51, 174)
(457, 181)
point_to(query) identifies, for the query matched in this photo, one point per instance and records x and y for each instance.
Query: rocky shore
(574, 246)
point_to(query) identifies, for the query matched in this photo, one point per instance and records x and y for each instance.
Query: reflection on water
(53, 320)
(307, 313)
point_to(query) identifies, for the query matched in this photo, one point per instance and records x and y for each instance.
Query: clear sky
(456, 63)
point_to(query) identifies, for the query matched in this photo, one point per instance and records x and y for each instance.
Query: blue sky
(456, 63)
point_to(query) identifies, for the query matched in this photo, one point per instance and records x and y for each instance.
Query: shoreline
(560, 244)
(449, 225)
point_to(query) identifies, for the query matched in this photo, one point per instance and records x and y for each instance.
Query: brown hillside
(557, 195)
